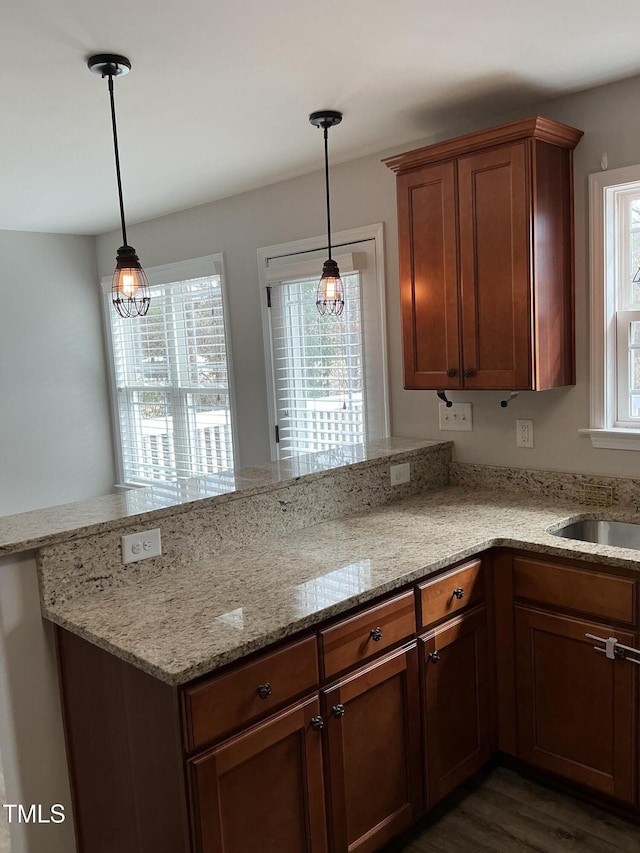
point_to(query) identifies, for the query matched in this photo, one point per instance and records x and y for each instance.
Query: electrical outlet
(141, 546)
(400, 473)
(524, 433)
(456, 417)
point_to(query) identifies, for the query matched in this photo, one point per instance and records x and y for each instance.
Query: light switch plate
(458, 417)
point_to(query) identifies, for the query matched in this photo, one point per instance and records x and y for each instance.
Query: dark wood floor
(505, 813)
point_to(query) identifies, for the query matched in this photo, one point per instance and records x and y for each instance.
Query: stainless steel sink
(618, 533)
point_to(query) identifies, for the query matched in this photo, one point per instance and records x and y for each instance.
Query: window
(615, 309)
(173, 406)
(327, 375)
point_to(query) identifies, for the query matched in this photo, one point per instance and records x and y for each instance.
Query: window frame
(341, 243)
(606, 430)
(208, 265)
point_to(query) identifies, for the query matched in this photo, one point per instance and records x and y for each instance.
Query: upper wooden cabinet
(485, 227)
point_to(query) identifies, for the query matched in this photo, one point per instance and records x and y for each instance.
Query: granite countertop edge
(103, 625)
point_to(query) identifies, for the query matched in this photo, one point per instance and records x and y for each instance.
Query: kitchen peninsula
(260, 633)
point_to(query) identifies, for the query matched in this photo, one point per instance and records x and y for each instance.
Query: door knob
(434, 657)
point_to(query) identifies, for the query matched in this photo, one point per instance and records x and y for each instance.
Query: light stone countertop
(27, 531)
(187, 622)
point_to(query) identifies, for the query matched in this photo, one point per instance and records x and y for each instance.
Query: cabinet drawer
(354, 640)
(590, 592)
(450, 593)
(226, 702)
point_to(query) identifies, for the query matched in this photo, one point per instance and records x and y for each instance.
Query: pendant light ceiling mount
(325, 118)
(109, 64)
(129, 286)
(330, 293)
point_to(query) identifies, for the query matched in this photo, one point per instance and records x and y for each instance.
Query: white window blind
(172, 383)
(327, 375)
(627, 304)
(318, 368)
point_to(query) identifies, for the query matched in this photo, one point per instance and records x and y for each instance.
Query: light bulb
(127, 283)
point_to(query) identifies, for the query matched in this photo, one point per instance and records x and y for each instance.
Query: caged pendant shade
(129, 286)
(330, 293)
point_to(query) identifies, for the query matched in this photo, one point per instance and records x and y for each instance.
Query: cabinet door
(457, 721)
(576, 708)
(495, 277)
(429, 277)
(373, 749)
(263, 789)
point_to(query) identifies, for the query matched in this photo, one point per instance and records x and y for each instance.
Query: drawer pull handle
(376, 634)
(451, 372)
(338, 711)
(264, 690)
(317, 724)
(434, 657)
(458, 593)
(468, 371)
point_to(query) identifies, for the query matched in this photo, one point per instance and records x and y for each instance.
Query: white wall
(363, 191)
(55, 425)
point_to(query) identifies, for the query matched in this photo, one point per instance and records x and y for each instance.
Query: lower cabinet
(263, 789)
(373, 768)
(337, 742)
(575, 707)
(456, 688)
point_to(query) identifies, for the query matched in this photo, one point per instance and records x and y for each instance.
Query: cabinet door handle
(613, 649)
(376, 634)
(338, 711)
(434, 657)
(451, 371)
(468, 371)
(458, 593)
(264, 690)
(317, 723)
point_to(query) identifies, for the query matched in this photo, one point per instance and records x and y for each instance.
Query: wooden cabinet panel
(577, 713)
(358, 638)
(217, 706)
(601, 595)
(487, 219)
(446, 595)
(373, 752)
(429, 277)
(495, 268)
(457, 719)
(263, 790)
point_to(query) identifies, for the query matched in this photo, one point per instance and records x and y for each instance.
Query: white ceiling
(218, 98)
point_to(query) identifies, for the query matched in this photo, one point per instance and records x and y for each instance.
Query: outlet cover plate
(141, 546)
(400, 473)
(457, 417)
(524, 433)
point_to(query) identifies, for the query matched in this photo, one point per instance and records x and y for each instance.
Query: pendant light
(330, 293)
(129, 286)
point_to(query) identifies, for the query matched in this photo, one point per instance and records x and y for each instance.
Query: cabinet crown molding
(535, 127)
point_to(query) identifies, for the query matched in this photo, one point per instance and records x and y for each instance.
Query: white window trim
(341, 238)
(603, 406)
(165, 274)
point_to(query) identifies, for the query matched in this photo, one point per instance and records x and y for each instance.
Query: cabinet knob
(458, 593)
(338, 711)
(317, 724)
(434, 657)
(264, 690)
(451, 371)
(468, 371)
(376, 635)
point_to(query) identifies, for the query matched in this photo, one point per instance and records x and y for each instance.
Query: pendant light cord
(117, 155)
(326, 181)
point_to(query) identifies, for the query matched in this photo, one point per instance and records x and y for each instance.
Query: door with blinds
(327, 373)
